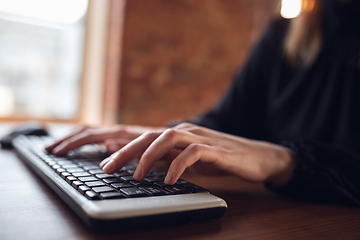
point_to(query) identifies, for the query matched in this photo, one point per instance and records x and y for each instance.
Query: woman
(289, 119)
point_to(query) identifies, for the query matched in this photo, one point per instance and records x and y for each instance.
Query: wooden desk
(31, 210)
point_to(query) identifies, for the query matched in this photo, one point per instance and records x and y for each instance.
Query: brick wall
(180, 55)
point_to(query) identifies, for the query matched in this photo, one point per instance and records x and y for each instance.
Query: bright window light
(7, 105)
(290, 8)
(56, 11)
(41, 58)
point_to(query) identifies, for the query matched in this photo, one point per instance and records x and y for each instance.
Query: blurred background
(123, 61)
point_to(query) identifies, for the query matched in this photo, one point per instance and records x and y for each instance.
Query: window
(41, 58)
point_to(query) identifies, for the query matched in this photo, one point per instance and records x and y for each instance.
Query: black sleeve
(242, 109)
(324, 173)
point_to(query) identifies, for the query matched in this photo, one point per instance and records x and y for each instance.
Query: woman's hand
(114, 137)
(191, 145)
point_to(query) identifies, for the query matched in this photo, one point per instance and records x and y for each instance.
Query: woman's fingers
(167, 141)
(197, 130)
(76, 131)
(187, 144)
(128, 153)
(193, 153)
(184, 146)
(86, 137)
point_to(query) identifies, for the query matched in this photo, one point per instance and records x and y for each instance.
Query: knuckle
(150, 134)
(195, 148)
(184, 125)
(170, 134)
(189, 127)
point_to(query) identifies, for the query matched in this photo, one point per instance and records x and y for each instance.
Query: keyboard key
(155, 191)
(81, 174)
(87, 179)
(104, 175)
(59, 170)
(76, 184)
(66, 166)
(82, 189)
(194, 188)
(122, 174)
(51, 163)
(82, 163)
(134, 192)
(56, 166)
(140, 183)
(181, 182)
(73, 170)
(70, 179)
(64, 175)
(160, 184)
(130, 171)
(156, 173)
(111, 195)
(64, 162)
(47, 159)
(102, 189)
(121, 185)
(95, 184)
(155, 178)
(96, 171)
(111, 180)
(128, 178)
(58, 159)
(92, 195)
(174, 189)
(91, 167)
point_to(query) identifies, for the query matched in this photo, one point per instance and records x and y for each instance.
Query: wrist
(284, 167)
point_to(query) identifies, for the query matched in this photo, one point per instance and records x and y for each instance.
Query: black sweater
(314, 110)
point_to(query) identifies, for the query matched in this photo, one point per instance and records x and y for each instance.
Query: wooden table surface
(29, 209)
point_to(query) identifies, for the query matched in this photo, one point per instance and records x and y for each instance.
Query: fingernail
(103, 162)
(138, 172)
(169, 178)
(109, 166)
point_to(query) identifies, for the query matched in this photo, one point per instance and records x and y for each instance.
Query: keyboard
(116, 201)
